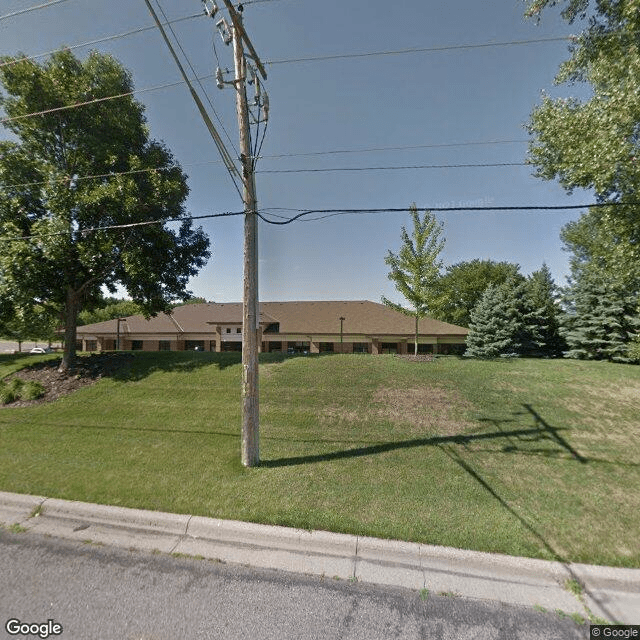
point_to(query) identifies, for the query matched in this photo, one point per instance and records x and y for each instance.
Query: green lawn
(527, 457)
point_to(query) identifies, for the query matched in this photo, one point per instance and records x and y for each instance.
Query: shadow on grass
(477, 477)
(24, 358)
(145, 363)
(541, 431)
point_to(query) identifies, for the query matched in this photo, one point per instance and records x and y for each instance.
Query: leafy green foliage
(595, 143)
(34, 322)
(633, 349)
(111, 308)
(416, 268)
(53, 250)
(459, 290)
(194, 300)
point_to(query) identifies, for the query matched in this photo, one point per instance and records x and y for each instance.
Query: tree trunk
(70, 327)
(415, 351)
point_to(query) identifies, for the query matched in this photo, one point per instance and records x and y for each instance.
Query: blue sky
(432, 100)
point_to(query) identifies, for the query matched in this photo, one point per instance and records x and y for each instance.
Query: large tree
(72, 171)
(594, 143)
(416, 267)
(459, 290)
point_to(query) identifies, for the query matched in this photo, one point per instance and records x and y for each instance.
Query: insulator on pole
(210, 8)
(225, 31)
(219, 78)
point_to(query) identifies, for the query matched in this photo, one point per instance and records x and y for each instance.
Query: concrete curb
(609, 593)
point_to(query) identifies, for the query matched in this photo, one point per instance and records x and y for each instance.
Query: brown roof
(360, 317)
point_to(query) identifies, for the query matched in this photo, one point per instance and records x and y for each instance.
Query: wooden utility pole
(250, 310)
(250, 446)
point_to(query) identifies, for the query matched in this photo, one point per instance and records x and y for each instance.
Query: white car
(41, 350)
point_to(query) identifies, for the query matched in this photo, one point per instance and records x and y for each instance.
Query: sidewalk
(609, 593)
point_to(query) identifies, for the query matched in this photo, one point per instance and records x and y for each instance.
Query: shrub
(18, 389)
(7, 395)
(32, 390)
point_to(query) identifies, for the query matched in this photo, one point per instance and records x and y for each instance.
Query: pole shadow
(558, 557)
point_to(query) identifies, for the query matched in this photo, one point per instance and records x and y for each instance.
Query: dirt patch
(88, 371)
(432, 409)
(421, 357)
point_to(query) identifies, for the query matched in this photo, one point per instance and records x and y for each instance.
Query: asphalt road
(103, 593)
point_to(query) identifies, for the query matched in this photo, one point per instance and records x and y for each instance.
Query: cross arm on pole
(237, 23)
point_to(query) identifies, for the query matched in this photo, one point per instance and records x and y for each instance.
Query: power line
(115, 174)
(396, 168)
(29, 9)
(459, 47)
(396, 148)
(258, 1)
(228, 160)
(326, 213)
(131, 225)
(94, 101)
(89, 43)
(186, 57)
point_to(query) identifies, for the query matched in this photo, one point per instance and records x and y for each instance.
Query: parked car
(36, 350)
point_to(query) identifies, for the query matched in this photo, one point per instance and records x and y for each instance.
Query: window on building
(326, 347)
(452, 349)
(194, 345)
(136, 345)
(274, 327)
(228, 329)
(360, 347)
(92, 345)
(298, 347)
(239, 330)
(389, 347)
(164, 345)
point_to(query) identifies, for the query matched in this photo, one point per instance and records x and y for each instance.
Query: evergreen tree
(542, 294)
(496, 325)
(602, 320)
(462, 286)
(507, 321)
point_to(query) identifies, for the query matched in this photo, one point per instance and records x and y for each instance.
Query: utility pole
(235, 33)
(250, 445)
(250, 453)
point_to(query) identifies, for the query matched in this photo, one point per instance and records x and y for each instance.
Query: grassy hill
(527, 457)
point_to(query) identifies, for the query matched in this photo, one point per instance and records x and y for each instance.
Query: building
(291, 327)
